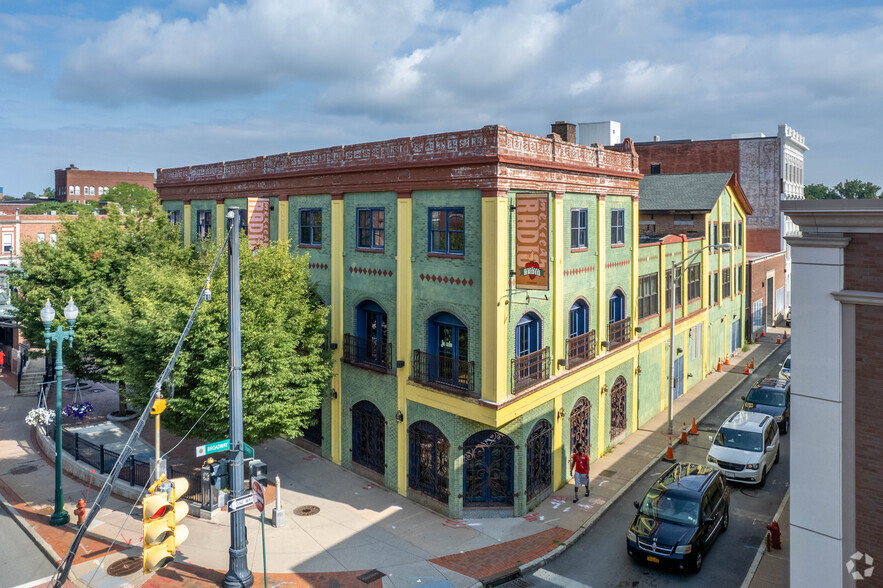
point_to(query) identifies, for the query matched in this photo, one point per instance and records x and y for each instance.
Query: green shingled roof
(667, 192)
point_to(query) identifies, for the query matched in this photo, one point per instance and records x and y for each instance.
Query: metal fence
(135, 471)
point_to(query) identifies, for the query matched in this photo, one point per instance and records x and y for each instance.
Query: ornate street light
(47, 315)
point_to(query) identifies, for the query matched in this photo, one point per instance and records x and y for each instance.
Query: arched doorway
(428, 460)
(488, 476)
(581, 424)
(369, 437)
(618, 409)
(539, 459)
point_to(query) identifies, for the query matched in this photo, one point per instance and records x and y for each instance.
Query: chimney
(656, 138)
(565, 130)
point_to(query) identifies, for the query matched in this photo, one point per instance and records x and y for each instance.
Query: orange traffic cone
(747, 371)
(778, 339)
(786, 334)
(718, 364)
(755, 338)
(726, 359)
(670, 452)
(684, 435)
(693, 429)
(751, 363)
(763, 333)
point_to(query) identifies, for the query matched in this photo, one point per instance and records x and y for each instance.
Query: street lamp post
(672, 383)
(47, 315)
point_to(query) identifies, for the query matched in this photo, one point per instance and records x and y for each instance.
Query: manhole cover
(124, 567)
(25, 468)
(305, 511)
(368, 577)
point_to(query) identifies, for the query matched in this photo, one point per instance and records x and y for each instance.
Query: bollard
(278, 512)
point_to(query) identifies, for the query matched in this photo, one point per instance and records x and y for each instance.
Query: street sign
(235, 504)
(247, 449)
(215, 447)
(258, 492)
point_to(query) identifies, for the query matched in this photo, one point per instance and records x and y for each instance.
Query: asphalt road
(599, 558)
(22, 564)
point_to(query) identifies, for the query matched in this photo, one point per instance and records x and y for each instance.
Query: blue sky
(162, 83)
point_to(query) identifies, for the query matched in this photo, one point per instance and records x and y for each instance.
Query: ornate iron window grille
(581, 424)
(539, 459)
(619, 333)
(489, 461)
(445, 373)
(367, 353)
(580, 349)
(369, 437)
(428, 460)
(618, 413)
(530, 369)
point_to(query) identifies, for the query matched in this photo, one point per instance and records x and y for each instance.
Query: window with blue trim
(174, 216)
(310, 226)
(203, 224)
(579, 228)
(448, 339)
(447, 231)
(617, 226)
(371, 228)
(371, 328)
(527, 335)
(617, 307)
(579, 319)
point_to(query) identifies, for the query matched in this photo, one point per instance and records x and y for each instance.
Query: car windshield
(787, 364)
(767, 397)
(744, 440)
(660, 504)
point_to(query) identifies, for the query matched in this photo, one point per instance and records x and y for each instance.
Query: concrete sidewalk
(360, 534)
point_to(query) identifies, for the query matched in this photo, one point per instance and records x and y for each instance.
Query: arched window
(580, 341)
(369, 436)
(618, 409)
(579, 319)
(448, 340)
(531, 362)
(372, 332)
(527, 334)
(428, 460)
(489, 467)
(617, 307)
(539, 459)
(581, 424)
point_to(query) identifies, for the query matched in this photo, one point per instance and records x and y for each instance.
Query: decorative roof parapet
(491, 142)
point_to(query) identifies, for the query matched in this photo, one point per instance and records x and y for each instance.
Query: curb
(760, 550)
(541, 561)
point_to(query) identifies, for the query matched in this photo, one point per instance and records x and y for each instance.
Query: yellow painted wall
(403, 332)
(336, 321)
(186, 224)
(494, 302)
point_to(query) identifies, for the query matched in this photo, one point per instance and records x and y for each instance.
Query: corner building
(484, 296)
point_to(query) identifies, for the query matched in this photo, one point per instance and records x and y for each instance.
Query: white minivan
(746, 447)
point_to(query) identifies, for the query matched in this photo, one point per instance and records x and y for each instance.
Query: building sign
(258, 222)
(532, 241)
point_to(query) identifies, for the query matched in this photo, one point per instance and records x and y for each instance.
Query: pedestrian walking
(2, 360)
(580, 461)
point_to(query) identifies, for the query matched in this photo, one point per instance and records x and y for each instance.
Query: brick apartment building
(78, 185)
(836, 471)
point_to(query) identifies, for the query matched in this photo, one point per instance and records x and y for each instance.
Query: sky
(134, 86)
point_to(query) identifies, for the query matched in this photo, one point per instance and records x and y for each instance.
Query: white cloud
(19, 63)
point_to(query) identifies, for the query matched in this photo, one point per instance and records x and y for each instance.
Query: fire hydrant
(80, 511)
(775, 535)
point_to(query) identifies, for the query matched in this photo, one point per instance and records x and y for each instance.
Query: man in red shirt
(580, 461)
(2, 361)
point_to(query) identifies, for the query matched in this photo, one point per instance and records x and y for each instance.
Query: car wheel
(726, 522)
(777, 456)
(697, 565)
(762, 482)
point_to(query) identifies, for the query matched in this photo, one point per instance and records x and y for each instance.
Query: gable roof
(687, 192)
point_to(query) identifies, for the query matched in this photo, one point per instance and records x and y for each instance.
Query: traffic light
(161, 512)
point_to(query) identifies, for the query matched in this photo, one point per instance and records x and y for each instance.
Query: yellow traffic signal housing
(161, 513)
(159, 405)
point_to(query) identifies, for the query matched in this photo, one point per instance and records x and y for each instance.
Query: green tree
(59, 208)
(855, 189)
(90, 262)
(48, 193)
(285, 369)
(29, 195)
(818, 192)
(131, 196)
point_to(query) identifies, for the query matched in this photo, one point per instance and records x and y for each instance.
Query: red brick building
(766, 289)
(78, 185)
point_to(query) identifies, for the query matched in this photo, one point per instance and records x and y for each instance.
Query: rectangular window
(579, 228)
(648, 297)
(677, 295)
(7, 242)
(617, 226)
(447, 231)
(739, 234)
(204, 224)
(694, 287)
(53, 238)
(713, 291)
(41, 237)
(174, 216)
(725, 285)
(371, 223)
(739, 279)
(714, 228)
(725, 233)
(655, 168)
(310, 226)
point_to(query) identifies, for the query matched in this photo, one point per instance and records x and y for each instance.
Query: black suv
(771, 396)
(680, 517)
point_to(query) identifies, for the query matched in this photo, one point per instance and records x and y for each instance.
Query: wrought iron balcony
(445, 373)
(530, 369)
(580, 349)
(367, 353)
(619, 333)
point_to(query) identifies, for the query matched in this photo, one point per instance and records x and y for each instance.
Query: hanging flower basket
(39, 416)
(77, 409)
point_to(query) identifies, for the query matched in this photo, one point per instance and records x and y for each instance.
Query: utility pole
(238, 575)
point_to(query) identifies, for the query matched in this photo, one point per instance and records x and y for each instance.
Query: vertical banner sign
(258, 222)
(532, 241)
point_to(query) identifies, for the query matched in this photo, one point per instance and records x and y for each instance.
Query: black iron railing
(530, 369)
(367, 353)
(444, 373)
(619, 333)
(135, 471)
(580, 349)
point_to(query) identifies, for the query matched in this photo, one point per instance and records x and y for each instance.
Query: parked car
(680, 517)
(745, 447)
(771, 396)
(785, 370)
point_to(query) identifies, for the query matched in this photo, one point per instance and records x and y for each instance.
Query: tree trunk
(124, 408)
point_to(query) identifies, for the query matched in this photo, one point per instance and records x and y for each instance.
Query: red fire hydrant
(80, 511)
(775, 535)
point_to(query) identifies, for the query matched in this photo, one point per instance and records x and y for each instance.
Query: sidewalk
(360, 534)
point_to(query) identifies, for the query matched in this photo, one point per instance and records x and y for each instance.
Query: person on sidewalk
(580, 461)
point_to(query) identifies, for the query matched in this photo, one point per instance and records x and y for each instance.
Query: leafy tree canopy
(131, 196)
(48, 193)
(852, 189)
(59, 208)
(29, 195)
(818, 192)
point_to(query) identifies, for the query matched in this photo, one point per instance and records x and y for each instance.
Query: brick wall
(664, 224)
(757, 272)
(64, 178)
(762, 240)
(689, 157)
(863, 269)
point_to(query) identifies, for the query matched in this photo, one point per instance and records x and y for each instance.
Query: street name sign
(247, 449)
(215, 447)
(235, 504)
